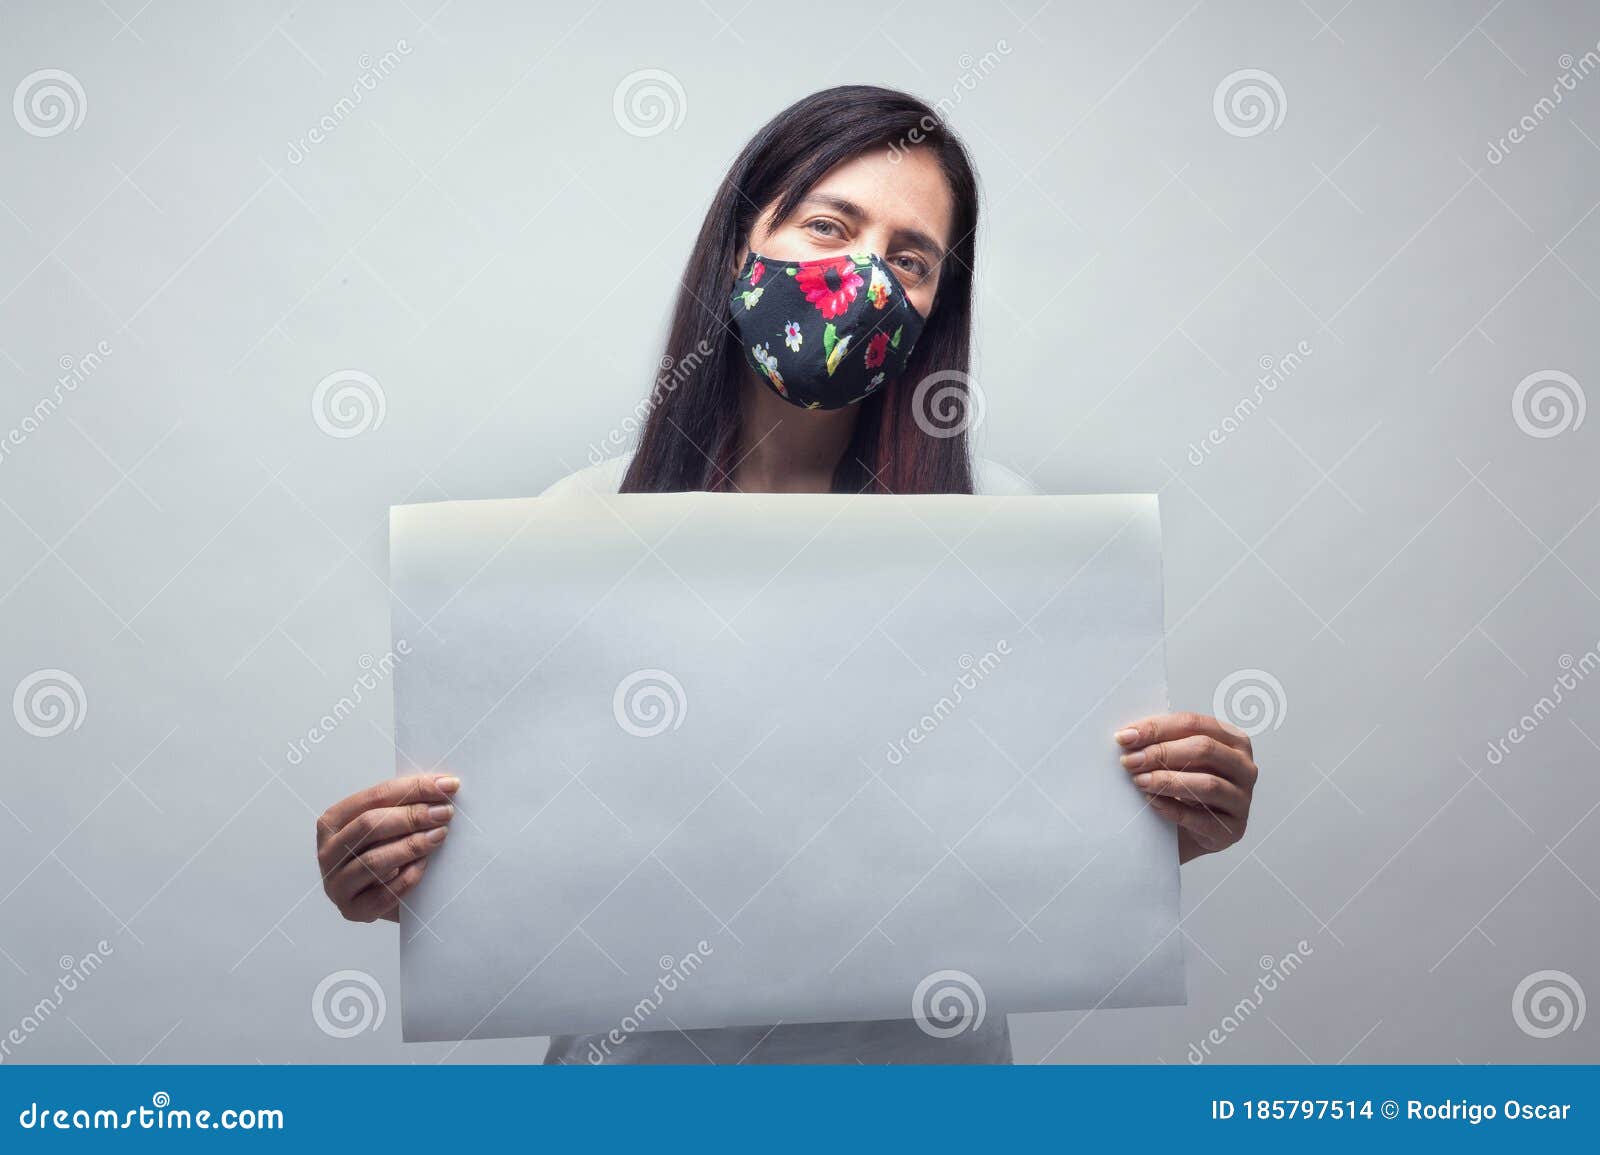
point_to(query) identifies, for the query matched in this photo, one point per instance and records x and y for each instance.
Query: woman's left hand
(1198, 773)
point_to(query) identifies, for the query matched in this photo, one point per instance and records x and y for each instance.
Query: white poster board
(792, 756)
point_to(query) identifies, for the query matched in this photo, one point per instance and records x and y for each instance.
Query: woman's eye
(825, 228)
(912, 266)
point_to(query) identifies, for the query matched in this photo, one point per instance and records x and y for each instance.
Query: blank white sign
(733, 759)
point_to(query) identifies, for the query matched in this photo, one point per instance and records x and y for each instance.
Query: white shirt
(989, 478)
(885, 1041)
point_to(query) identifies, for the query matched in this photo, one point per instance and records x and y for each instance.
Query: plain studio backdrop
(1390, 552)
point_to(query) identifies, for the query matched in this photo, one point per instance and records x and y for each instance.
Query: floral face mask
(824, 334)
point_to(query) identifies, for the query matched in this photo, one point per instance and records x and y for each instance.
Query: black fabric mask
(824, 334)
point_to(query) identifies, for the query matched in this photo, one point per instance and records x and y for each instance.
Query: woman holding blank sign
(820, 344)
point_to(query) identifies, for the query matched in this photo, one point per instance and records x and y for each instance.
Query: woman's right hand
(373, 846)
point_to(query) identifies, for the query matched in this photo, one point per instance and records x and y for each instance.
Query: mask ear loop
(740, 264)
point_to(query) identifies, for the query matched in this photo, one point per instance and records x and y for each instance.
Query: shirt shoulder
(605, 477)
(989, 478)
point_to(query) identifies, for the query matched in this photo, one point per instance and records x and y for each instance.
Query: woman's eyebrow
(918, 239)
(914, 237)
(838, 204)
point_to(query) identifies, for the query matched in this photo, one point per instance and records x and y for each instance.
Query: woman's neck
(785, 449)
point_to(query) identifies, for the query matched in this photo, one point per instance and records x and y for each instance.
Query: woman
(830, 286)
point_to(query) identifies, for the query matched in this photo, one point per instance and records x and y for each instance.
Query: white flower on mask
(769, 365)
(791, 335)
(878, 291)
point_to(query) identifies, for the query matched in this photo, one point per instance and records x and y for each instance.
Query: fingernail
(1134, 759)
(440, 813)
(1127, 737)
(448, 783)
(437, 834)
(1142, 780)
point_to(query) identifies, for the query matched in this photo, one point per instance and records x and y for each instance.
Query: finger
(371, 827)
(381, 863)
(382, 899)
(1167, 727)
(1196, 752)
(390, 792)
(1212, 831)
(1206, 790)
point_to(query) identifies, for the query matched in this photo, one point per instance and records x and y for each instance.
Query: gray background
(482, 237)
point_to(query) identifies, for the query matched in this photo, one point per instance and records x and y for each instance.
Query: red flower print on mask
(756, 273)
(829, 284)
(876, 347)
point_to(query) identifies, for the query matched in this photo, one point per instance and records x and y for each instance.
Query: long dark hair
(692, 432)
